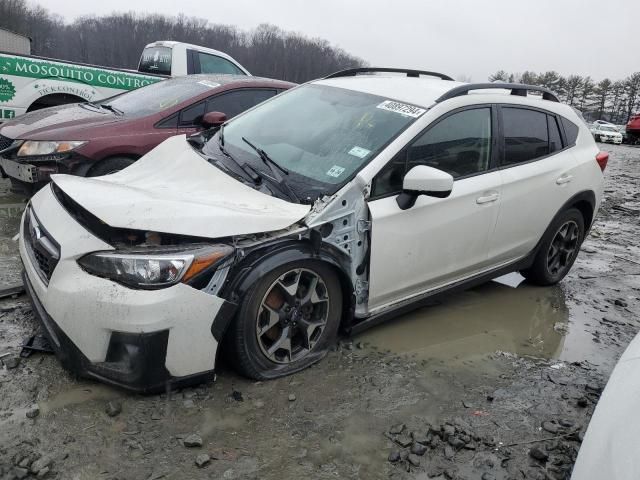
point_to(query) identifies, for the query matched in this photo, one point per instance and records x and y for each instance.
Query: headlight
(159, 268)
(35, 147)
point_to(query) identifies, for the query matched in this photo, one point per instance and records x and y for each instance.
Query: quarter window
(191, 116)
(460, 145)
(526, 135)
(215, 64)
(570, 130)
(555, 141)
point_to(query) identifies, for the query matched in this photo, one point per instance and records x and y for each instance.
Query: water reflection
(476, 322)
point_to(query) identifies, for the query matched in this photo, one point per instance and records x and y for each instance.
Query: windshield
(608, 129)
(156, 97)
(321, 135)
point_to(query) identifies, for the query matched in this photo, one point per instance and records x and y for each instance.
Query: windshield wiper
(111, 108)
(269, 162)
(264, 156)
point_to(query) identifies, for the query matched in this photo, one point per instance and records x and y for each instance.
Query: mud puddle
(527, 320)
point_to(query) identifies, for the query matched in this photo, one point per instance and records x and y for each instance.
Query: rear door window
(526, 135)
(156, 60)
(237, 101)
(214, 64)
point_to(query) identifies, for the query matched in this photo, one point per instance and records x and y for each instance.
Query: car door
(438, 240)
(537, 169)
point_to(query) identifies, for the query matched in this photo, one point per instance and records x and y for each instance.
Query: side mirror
(213, 119)
(423, 180)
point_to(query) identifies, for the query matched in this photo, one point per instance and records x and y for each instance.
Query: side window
(213, 64)
(235, 102)
(191, 116)
(570, 130)
(460, 145)
(555, 141)
(525, 135)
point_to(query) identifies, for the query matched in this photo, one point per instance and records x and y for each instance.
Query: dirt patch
(498, 382)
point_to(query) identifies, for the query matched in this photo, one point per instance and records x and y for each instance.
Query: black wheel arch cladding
(266, 258)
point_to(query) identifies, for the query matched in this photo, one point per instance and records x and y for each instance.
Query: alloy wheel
(563, 248)
(292, 315)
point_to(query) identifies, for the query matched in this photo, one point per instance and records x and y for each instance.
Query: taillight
(602, 158)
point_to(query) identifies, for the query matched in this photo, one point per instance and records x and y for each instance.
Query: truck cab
(176, 58)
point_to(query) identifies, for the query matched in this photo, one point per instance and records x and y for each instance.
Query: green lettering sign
(33, 68)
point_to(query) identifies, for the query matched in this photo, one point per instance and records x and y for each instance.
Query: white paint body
(610, 446)
(88, 308)
(488, 221)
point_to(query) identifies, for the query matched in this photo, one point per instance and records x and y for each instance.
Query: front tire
(287, 320)
(558, 250)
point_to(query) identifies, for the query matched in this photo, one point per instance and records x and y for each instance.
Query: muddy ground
(497, 382)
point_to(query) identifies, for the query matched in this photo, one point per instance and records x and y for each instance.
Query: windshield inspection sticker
(359, 152)
(401, 108)
(335, 171)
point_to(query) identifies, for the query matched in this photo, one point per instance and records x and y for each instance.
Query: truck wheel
(110, 165)
(287, 320)
(558, 250)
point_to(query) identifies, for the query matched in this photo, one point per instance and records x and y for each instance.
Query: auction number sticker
(401, 108)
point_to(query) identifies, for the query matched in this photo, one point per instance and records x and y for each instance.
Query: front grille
(43, 250)
(5, 142)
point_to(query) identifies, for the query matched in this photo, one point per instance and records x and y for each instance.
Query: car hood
(65, 122)
(173, 189)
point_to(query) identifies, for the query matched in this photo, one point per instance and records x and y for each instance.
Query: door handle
(564, 179)
(487, 198)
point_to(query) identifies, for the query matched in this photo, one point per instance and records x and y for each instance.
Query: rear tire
(285, 323)
(558, 249)
(110, 165)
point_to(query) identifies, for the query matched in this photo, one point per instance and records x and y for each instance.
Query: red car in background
(92, 139)
(633, 129)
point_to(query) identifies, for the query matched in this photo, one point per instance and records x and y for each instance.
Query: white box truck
(28, 83)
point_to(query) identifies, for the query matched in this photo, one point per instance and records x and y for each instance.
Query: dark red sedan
(92, 139)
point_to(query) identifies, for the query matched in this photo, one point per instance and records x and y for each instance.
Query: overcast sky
(459, 37)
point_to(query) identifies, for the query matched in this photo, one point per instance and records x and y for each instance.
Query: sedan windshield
(320, 135)
(608, 129)
(157, 97)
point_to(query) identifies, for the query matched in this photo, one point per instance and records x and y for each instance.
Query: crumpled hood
(173, 189)
(64, 122)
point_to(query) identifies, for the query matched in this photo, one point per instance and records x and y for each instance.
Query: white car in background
(339, 203)
(610, 449)
(606, 133)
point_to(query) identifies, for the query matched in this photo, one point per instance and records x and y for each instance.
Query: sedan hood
(66, 122)
(173, 189)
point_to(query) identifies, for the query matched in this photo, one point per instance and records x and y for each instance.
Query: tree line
(117, 40)
(611, 100)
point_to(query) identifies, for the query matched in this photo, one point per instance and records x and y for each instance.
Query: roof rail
(519, 89)
(352, 72)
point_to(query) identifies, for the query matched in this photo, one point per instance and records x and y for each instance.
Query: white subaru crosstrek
(339, 203)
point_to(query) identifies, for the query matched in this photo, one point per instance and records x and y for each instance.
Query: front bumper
(141, 340)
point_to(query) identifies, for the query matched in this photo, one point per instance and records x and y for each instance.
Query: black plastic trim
(519, 89)
(352, 72)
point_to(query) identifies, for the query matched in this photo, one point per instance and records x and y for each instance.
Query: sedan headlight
(36, 147)
(155, 269)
